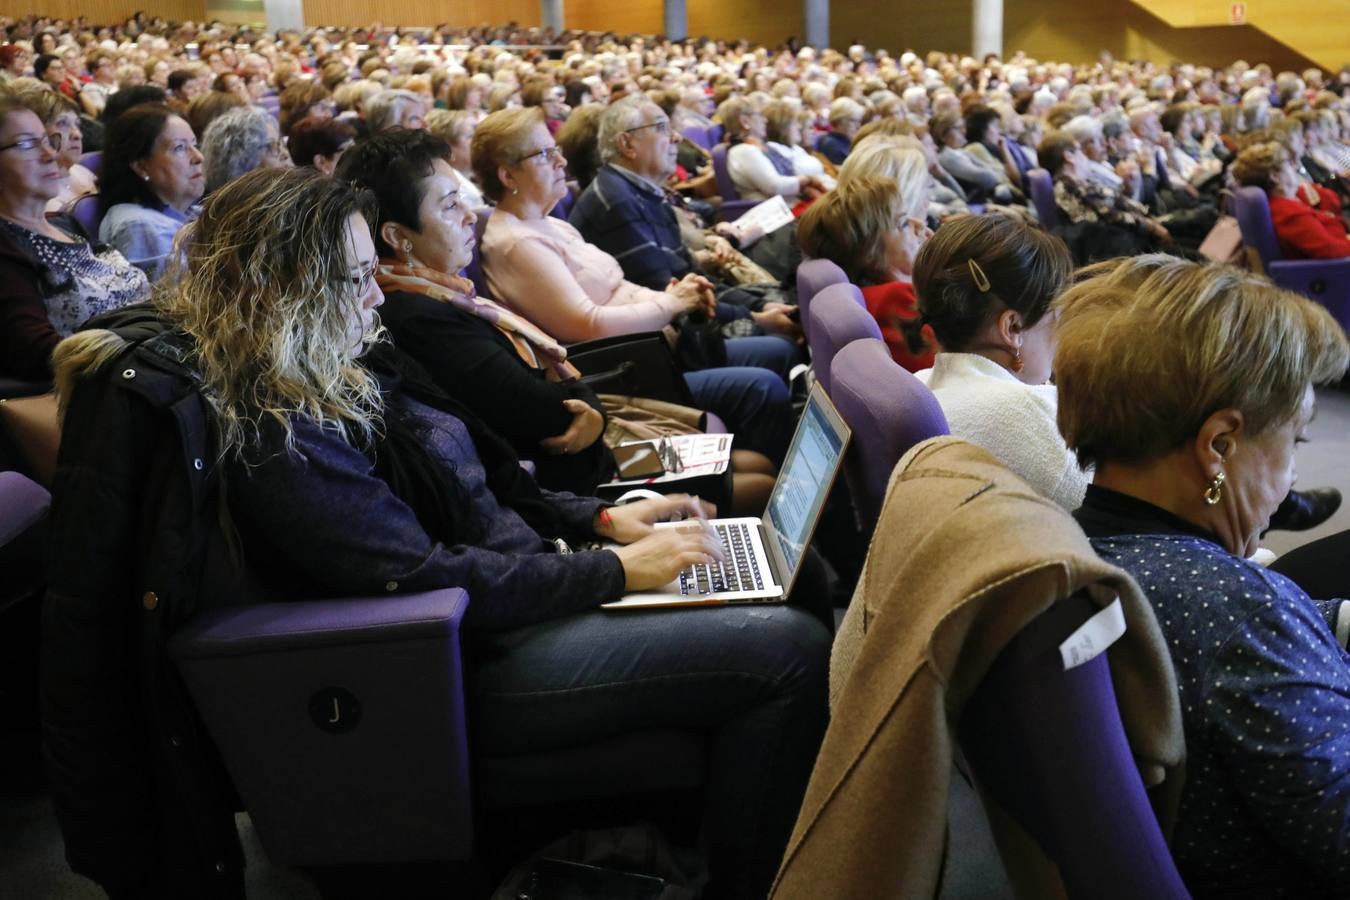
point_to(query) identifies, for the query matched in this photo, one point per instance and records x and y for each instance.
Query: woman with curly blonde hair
(347, 472)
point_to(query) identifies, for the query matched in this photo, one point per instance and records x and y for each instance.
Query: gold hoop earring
(1214, 493)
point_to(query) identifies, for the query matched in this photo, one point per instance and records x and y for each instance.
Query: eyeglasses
(917, 226)
(662, 127)
(29, 144)
(548, 154)
(362, 282)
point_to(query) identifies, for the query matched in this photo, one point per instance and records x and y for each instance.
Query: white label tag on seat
(1093, 636)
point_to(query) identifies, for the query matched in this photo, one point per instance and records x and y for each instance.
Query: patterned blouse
(1090, 201)
(1265, 695)
(81, 281)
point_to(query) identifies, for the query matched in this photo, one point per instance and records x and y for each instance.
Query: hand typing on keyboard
(655, 560)
(632, 521)
(737, 570)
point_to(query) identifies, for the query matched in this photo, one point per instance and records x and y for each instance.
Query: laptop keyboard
(740, 571)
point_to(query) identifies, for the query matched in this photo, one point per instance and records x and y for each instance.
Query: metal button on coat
(128, 373)
(391, 586)
(150, 600)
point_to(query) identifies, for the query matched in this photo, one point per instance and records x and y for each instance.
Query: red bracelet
(605, 520)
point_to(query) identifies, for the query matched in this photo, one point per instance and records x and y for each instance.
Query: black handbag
(700, 344)
(634, 365)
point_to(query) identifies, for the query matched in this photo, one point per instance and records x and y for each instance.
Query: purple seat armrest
(22, 503)
(342, 723)
(731, 210)
(271, 627)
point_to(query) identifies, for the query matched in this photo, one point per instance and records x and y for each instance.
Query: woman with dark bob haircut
(152, 177)
(348, 473)
(1188, 388)
(511, 374)
(984, 286)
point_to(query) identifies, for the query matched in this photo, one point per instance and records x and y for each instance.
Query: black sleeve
(476, 364)
(101, 784)
(27, 337)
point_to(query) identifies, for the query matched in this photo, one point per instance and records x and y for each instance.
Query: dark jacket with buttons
(637, 227)
(143, 805)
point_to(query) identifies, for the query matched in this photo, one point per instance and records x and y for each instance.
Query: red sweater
(1307, 233)
(890, 304)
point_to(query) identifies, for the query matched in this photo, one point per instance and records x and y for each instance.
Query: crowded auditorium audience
(318, 303)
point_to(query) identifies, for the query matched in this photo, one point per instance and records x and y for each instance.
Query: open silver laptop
(764, 556)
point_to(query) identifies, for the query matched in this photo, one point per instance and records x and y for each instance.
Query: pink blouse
(545, 270)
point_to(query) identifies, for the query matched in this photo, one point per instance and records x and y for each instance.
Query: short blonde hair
(1259, 165)
(501, 140)
(778, 119)
(730, 114)
(1147, 352)
(900, 159)
(848, 226)
(842, 109)
(451, 124)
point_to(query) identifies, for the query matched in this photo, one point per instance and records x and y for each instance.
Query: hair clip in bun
(977, 274)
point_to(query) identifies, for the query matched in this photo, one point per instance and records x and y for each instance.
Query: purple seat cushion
(888, 410)
(838, 317)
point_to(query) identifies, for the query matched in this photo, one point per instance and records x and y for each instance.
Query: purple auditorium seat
(474, 270)
(813, 276)
(341, 723)
(93, 161)
(564, 206)
(84, 210)
(1043, 197)
(1326, 281)
(837, 319)
(699, 136)
(733, 207)
(1049, 747)
(716, 133)
(888, 410)
(22, 503)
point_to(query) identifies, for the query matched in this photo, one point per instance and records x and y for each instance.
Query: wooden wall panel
(900, 25)
(1047, 29)
(631, 17)
(421, 12)
(768, 22)
(1072, 31)
(105, 11)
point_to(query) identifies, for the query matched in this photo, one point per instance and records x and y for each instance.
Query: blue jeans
(750, 394)
(751, 679)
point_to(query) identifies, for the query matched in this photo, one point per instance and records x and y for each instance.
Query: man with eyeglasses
(627, 212)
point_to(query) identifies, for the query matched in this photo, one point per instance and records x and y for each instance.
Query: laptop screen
(804, 483)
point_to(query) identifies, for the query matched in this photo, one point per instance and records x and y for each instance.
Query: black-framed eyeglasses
(29, 144)
(662, 127)
(548, 154)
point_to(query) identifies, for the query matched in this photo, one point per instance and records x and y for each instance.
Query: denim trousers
(751, 680)
(750, 394)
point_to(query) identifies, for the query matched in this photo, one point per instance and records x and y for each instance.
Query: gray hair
(1083, 128)
(618, 118)
(1114, 124)
(379, 108)
(235, 143)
